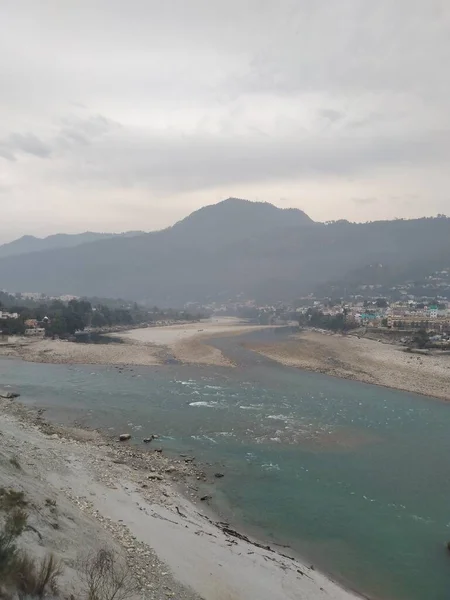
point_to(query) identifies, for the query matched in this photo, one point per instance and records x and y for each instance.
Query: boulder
(149, 439)
(218, 475)
(155, 476)
(123, 437)
(8, 395)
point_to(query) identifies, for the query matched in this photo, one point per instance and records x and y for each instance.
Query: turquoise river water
(356, 478)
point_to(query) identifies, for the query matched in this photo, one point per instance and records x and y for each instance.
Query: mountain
(229, 249)
(29, 243)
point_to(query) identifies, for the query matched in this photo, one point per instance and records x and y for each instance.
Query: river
(352, 476)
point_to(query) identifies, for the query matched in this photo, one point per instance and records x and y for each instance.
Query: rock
(189, 459)
(154, 475)
(218, 475)
(149, 439)
(159, 450)
(170, 470)
(123, 437)
(8, 395)
(206, 498)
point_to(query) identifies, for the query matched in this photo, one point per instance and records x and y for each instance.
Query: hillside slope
(232, 248)
(30, 243)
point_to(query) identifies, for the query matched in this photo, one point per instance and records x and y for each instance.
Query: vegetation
(106, 576)
(63, 319)
(316, 318)
(15, 462)
(421, 338)
(11, 499)
(103, 575)
(237, 249)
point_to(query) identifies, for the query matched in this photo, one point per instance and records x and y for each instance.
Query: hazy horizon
(124, 116)
(119, 231)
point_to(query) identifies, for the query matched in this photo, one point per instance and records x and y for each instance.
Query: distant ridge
(30, 243)
(233, 249)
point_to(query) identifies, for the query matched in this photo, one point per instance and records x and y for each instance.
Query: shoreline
(111, 482)
(361, 359)
(185, 343)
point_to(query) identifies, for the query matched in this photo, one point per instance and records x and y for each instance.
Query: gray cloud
(29, 143)
(330, 114)
(331, 104)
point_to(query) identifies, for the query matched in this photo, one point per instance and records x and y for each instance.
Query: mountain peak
(240, 210)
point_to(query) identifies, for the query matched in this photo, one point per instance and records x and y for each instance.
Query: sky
(119, 115)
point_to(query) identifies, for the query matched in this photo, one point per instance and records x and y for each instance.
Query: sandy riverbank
(108, 493)
(187, 343)
(364, 360)
(62, 352)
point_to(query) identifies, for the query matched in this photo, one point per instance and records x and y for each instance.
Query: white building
(7, 315)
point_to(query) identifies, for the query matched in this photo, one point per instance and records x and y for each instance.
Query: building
(7, 315)
(35, 331)
(419, 321)
(433, 311)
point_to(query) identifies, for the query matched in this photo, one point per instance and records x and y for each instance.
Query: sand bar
(187, 343)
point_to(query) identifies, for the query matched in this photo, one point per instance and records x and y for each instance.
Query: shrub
(106, 576)
(14, 525)
(10, 499)
(18, 571)
(36, 578)
(15, 462)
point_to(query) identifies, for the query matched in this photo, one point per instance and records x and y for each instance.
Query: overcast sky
(129, 114)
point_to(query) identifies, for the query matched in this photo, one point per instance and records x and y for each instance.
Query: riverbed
(352, 476)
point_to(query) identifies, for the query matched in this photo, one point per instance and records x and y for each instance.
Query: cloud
(330, 114)
(29, 143)
(346, 99)
(364, 201)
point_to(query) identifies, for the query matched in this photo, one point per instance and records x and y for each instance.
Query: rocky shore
(361, 359)
(87, 490)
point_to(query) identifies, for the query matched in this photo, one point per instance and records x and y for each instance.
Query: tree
(421, 338)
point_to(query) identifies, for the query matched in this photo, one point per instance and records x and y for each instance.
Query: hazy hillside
(226, 249)
(30, 243)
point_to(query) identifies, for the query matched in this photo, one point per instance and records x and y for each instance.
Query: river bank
(116, 495)
(369, 361)
(186, 343)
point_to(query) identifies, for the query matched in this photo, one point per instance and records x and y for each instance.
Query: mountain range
(30, 243)
(235, 248)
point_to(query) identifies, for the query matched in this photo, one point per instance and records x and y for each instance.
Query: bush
(14, 525)
(106, 576)
(10, 499)
(36, 578)
(15, 462)
(18, 571)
